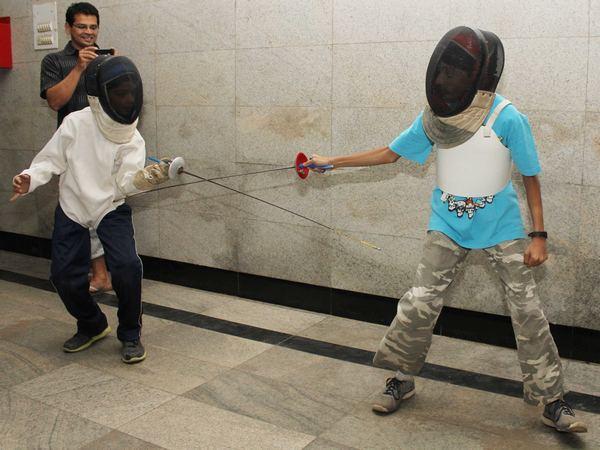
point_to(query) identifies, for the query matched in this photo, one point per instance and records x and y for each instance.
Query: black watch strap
(542, 234)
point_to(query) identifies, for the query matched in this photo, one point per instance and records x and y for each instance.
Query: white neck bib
(113, 131)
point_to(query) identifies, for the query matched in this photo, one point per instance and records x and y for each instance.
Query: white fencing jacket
(95, 174)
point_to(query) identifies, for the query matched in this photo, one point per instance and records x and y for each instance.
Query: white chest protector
(477, 168)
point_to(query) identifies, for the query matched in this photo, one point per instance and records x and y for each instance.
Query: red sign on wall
(5, 44)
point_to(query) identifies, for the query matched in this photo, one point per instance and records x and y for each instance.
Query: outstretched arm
(373, 157)
(536, 252)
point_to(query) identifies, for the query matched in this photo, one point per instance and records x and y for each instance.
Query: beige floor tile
(12, 313)
(117, 440)
(324, 444)
(26, 423)
(349, 380)
(582, 377)
(162, 369)
(474, 357)
(206, 345)
(45, 336)
(270, 317)
(27, 265)
(93, 394)
(19, 364)
(184, 424)
(348, 332)
(296, 408)
(180, 297)
(409, 433)
(37, 302)
(33, 302)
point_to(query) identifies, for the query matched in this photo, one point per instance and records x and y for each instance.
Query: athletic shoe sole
(575, 427)
(137, 359)
(384, 410)
(93, 339)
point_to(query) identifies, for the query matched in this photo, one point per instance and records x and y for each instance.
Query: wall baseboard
(572, 342)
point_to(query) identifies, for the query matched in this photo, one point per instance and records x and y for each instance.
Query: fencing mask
(115, 94)
(461, 79)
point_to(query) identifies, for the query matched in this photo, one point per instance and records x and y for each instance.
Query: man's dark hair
(81, 8)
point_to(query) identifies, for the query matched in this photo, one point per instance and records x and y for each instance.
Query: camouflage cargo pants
(405, 345)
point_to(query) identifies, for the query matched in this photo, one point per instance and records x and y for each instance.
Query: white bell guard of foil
(176, 167)
(477, 168)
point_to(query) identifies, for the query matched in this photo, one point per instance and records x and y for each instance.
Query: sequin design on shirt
(469, 205)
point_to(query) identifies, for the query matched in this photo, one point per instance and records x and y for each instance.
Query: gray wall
(233, 85)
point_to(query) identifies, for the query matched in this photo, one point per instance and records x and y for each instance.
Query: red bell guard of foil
(302, 172)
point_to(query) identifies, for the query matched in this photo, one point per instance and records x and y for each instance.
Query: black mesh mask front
(117, 83)
(465, 61)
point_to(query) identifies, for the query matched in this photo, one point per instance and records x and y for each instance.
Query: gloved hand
(152, 175)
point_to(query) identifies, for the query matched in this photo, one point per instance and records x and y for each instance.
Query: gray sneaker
(560, 415)
(82, 341)
(395, 391)
(132, 352)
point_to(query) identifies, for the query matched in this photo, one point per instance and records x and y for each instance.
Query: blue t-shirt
(487, 221)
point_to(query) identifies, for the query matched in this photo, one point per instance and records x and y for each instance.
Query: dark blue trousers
(71, 264)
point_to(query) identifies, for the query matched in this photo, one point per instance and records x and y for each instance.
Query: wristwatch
(542, 234)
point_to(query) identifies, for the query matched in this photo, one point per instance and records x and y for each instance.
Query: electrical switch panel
(45, 29)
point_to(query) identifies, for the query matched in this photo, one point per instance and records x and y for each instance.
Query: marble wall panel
(146, 223)
(310, 198)
(16, 128)
(192, 25)
(20, 216)
(22, 39)
(128, 27)
(546, 74)
(147, 128)
(358, 129)
(584, 311)
(13, 162)
(199, 239)
(289, 252)
(202, 133)
(291, 76)
(43, 126)
(390, 20)
(15, 8)
(388, 272)
(591, 150)
(383, 75)
(517, 19)
(203, 197)
(46, 199)
(594, 18)
(273, 135)
(18, 85)
(589, 244)
(560, 140)
(196, 79)
(268, 23)
(381, 200)
(593, 76)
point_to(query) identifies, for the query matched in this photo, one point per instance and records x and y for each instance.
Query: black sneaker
(560, 415)
(81, 341)
(395, 391)
(132, 352)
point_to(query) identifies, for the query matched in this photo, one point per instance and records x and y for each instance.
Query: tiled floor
(205, 389)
